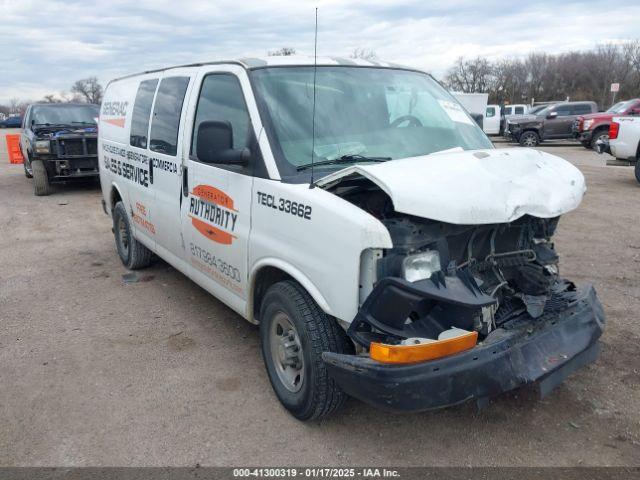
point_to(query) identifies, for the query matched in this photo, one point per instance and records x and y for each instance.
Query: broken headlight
(420, 266)
(43, 146)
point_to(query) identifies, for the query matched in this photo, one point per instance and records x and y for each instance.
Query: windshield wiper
(85, 123)
(344, 159)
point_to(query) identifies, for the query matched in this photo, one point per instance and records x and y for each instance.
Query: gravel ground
(97, 372)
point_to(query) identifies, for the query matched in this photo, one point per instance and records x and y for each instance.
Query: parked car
(11, 122)
(508, 112)
(59, 142)
(385, 248)
(623, 141)
(491, 124)
(551, 123)
(588, 129)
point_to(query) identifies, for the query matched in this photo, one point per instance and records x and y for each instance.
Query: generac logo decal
(114, 109)
(212, 213)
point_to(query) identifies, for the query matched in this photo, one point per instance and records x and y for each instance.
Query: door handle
(185, 181)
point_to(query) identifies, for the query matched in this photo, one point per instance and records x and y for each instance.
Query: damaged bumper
(521, 352)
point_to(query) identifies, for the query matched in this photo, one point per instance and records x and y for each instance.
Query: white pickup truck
(624, 141)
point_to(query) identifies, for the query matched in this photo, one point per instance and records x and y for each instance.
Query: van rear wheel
(294, 332)
(134, 255)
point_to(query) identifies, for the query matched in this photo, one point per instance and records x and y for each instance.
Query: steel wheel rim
(123, 236)
(286, 352)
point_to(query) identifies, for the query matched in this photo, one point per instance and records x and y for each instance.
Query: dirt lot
(95, 371)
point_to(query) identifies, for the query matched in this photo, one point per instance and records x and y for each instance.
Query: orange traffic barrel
(13, 147)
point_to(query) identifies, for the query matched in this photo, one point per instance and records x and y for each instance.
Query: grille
(92, 146)
(71, 147)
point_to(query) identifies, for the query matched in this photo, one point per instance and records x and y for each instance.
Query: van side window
(519, 110)
(166, 115)
(507, 110)
(141, 112)
(221, 99)
(491, 112)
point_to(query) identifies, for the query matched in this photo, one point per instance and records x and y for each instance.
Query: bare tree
(577, 75)
(88, 89)
(364, 54)
(282, 52)
(470, 76)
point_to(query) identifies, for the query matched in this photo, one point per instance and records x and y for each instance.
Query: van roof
(252, 63)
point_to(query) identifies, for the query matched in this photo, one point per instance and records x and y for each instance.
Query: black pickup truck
(59, 142)
(554, 122)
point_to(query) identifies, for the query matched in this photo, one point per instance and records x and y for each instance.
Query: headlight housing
(586, 125)
(420, 266)
(43, 146)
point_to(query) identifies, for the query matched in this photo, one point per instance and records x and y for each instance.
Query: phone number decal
(223, 267)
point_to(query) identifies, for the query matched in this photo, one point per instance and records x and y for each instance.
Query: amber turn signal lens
(399, 354)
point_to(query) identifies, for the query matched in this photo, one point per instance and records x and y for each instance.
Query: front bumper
(66, 168)
(522, 352)
(583, 136)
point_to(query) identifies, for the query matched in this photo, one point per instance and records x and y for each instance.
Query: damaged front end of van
(470, 301)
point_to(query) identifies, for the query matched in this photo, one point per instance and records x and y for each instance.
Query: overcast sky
(46, 45)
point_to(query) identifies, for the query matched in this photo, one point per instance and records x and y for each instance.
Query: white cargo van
(361, 217)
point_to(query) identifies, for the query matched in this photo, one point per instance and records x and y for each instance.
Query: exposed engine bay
(468, 277)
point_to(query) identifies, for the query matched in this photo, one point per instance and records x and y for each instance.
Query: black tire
(597, 135)
(637, 171)
(529, 139)
(318, 395)
(134, 255)
(27, 173)
(586, 145)
(41, 185)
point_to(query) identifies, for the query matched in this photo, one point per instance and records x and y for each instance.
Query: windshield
(360, 113)
(61, 114)
(621, 107)
(537, 110)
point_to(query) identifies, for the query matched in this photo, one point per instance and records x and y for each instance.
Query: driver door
(216, 201)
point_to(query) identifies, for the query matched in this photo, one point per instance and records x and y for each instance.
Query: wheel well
(266, 277)
(115, 197)
(600, 127)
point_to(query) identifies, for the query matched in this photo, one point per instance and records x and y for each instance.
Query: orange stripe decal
(118, 122)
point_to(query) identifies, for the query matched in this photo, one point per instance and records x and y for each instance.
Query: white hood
(475, 187)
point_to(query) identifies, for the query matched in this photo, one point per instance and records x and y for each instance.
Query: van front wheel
(294, 332)
(134, 255)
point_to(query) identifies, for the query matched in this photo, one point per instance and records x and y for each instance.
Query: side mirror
(552, 115)
(215, 144)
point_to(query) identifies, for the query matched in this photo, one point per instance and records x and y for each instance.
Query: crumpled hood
(475, 187)
(58, 130)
